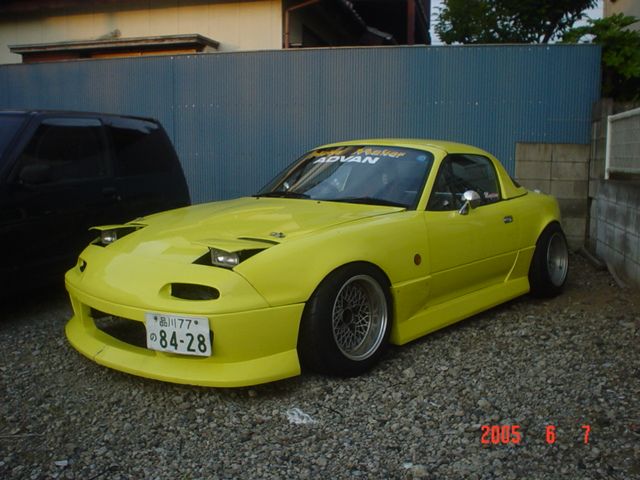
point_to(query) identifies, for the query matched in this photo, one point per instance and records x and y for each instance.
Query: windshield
(9, 125)
(376, 175)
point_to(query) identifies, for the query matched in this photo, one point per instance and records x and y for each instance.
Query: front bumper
(249, 347)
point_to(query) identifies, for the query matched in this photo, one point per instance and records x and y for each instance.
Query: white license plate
(178, 334)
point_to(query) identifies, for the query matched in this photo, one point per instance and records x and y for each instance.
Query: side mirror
(471, 199)
(35, 174)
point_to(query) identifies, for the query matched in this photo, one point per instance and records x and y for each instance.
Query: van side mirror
(35, 173)
(471, 199)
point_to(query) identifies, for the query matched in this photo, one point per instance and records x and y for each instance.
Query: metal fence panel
(236, 119)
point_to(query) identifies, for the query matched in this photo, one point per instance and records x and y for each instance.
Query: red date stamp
(511, 434)
(500, 434)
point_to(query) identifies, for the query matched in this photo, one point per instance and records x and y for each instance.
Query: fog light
(220, 258)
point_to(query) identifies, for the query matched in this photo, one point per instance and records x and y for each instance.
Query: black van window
(68, 148)
(9, 125)
(141, 147)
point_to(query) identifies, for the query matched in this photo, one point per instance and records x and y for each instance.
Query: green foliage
(620, 53)
(508, 21)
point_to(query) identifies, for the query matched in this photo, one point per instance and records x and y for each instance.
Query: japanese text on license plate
(178, 334)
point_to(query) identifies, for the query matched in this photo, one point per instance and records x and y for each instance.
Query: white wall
(237, 25)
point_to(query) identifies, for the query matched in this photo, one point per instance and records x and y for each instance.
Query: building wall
(238, 118)
(628, 7)
(237, 25)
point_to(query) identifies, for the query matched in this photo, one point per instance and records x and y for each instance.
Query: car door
(60, 185)
(476, 247)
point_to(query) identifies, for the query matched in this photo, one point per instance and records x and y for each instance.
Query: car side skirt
(438, 316)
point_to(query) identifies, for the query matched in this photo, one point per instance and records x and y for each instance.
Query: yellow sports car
(356, 245)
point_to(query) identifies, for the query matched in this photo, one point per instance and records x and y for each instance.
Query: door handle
(508, 219)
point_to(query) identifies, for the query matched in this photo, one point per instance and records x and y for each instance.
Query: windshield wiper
(282, 195)
(368, 200)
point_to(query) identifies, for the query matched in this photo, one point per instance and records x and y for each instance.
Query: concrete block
(610, 212)
(634, 196)
(536, 152)
(601, 207)
(624, 243)
(575, 242)
(573, 207)
(604, 189)
(569, 171)
(602, 250)
(634, 247)
(569, 152)
(593, 188)
(617, 260)
(618, 240)
(575, 227)
(600, 230)
(542, 185)
(609, 235)
(632, 221)
(593, 228)
(530, 169)
(621, 193)
(596, 168)
(632, 244)
(621, 219)
(569, 188)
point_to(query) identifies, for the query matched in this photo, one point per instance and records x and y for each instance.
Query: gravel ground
(566, 362)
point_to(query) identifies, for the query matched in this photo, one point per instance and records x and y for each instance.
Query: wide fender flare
(541, 211)
(290, 272)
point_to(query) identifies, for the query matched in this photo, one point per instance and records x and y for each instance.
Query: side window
(141, 147)
(459, 173)
(64, 149)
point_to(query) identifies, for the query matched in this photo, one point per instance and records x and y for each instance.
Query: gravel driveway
(565, 363)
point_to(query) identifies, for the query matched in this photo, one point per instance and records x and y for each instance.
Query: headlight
(110, 234)
(216, 257)
(220, 258)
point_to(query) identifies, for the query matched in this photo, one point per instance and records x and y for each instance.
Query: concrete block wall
(615, 227)
(563, 171)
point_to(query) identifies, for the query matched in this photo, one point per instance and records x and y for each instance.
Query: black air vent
(190, 291)
(123, 329)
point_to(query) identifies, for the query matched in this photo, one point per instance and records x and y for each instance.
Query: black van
(63, 172)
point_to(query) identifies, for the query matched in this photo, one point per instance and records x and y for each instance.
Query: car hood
(247, 222)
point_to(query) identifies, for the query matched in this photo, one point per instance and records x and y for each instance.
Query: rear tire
(346, 323)
(550, 264)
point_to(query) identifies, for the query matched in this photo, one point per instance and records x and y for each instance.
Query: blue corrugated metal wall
(238, 118)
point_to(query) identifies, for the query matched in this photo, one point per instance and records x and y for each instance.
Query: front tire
(550, 264)
(346, 323)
